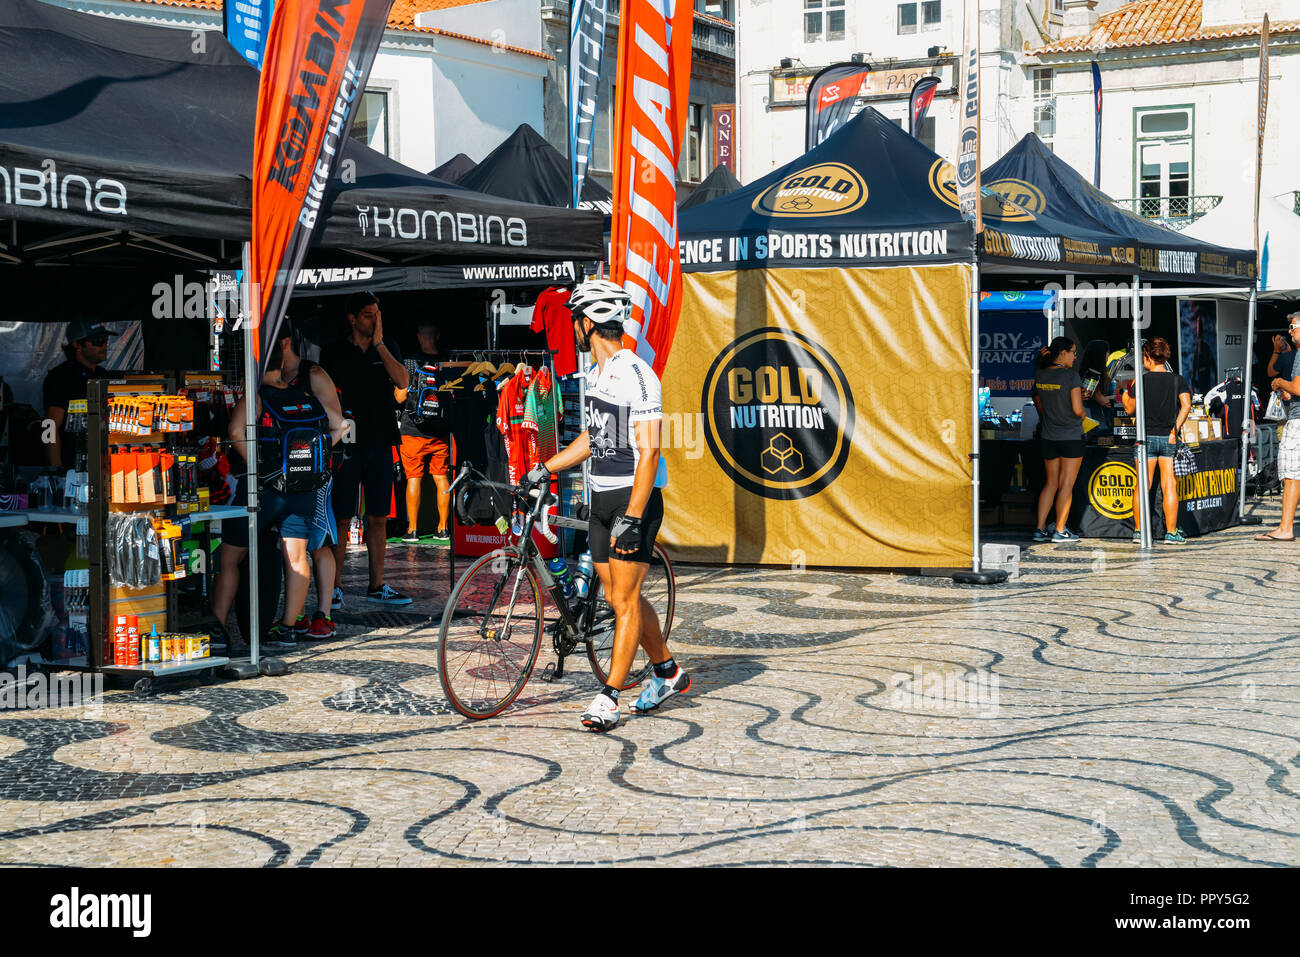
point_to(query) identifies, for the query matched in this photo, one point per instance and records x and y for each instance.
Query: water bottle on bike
(559, 570)
(582, 580)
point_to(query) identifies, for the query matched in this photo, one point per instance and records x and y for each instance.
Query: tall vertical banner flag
(246, 26)
(968, 141)
(1096, 133)
(830, 100)
(654, 77)
(318, 57)
(586, 57)
(922, 97)
(1263, 120)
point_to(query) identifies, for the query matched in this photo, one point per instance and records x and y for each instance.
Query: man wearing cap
(87, 347)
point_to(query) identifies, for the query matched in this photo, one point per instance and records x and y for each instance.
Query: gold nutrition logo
(828, 189)
(1110, 489)
(943, 183)
(778, 414)
(1025, 195)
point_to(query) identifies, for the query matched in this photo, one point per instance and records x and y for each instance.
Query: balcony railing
(1176, 212)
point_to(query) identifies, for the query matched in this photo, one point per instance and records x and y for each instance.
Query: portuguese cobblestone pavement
(1112, 709)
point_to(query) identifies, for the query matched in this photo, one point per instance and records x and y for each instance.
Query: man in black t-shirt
(424, 436)
(371, 378)
(87, 347)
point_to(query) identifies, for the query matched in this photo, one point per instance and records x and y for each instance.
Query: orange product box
(126, 632)
(117, 468)
(131, 476)
(144, 471)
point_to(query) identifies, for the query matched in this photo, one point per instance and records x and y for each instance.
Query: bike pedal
(548, 673)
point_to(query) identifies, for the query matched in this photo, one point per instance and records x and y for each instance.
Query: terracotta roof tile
(1154, 23)
(401, 17)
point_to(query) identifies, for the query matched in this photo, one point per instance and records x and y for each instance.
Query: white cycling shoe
(601, 715)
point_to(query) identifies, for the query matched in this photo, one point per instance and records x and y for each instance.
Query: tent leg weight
(273, 667)
(980, 578)
(1252, 520)
(239, 670)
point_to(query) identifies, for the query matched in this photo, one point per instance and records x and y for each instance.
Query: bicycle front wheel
(660, 590)
(491, 633)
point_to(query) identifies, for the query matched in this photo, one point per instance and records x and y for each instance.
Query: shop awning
(119, 139)
(1034, 177)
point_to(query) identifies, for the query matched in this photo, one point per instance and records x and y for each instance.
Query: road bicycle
(493, 623)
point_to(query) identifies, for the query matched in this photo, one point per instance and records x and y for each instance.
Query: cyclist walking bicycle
(623, 414)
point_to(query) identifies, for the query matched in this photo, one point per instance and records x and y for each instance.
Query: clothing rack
(544, 357)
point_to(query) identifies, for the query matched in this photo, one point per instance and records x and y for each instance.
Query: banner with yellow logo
(820, 416)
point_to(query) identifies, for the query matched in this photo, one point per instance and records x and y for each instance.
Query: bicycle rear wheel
(491, 633)
(660, 589)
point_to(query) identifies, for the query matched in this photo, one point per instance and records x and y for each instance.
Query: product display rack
(155, 604)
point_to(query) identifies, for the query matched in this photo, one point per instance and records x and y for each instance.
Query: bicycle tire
(481, 676)
(660, 589)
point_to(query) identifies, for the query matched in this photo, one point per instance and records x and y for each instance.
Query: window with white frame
(931, 14)
(371, 123)
(1056, 9)
(1163, 161)
(1045, 104)
(823, 20)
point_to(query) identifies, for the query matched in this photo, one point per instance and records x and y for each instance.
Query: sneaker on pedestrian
(601, 714)
(301, 627)
(1175, 537)
(337, 600)
(279, 636)
(1137, 537)
(410, 538)
(1044, 534)
(322, 626)
(385, 595)
(441, 538)
(658, 690)
(1064, 535)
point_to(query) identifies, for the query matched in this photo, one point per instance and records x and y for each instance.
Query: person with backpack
(299, 420)
(425, 438)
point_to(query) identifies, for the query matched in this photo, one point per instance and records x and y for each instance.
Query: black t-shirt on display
(1160, 392)
(366, 390)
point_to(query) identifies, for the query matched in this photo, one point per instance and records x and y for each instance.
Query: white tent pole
(974, 309)
(1140, 494)
(1247, 406)
(250, 444)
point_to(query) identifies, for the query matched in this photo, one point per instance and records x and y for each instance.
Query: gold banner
(821, 417)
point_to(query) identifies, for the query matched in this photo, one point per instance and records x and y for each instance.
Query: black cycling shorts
(606, 507)
(1061, 448)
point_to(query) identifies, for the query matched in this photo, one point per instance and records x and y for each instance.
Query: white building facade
(456, 79)
(1179, 78)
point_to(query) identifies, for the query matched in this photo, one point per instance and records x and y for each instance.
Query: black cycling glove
(627, 534)
(539, 476)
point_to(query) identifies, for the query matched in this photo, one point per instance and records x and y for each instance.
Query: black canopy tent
(714, 186)
(452, 170)
(120, 139)
(128, 144)
(1034, 177)
(528, 168)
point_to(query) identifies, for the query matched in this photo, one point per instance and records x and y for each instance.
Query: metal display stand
(104, 596)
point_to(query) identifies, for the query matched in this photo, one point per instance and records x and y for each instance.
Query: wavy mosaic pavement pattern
(1106, 709)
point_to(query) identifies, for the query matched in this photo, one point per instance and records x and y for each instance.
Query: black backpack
(423, 403)
(294, 441)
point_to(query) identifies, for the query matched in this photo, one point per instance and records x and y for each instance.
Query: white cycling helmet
(603, 302)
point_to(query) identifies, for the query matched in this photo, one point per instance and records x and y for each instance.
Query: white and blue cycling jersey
(625, 392)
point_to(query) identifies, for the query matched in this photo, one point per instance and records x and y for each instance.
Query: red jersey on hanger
(551, 313)
(521, 444)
